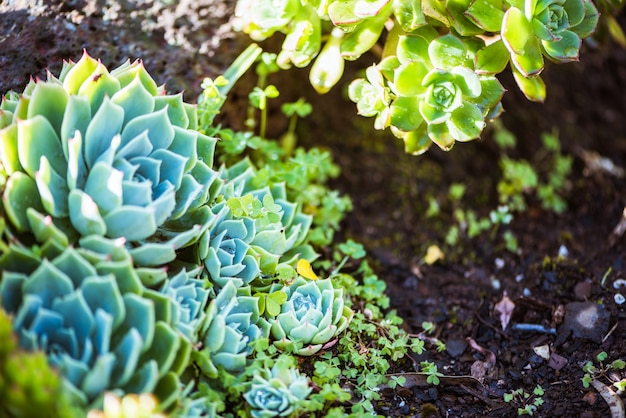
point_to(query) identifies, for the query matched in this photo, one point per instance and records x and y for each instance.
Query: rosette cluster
(96, 323)
(105, 153)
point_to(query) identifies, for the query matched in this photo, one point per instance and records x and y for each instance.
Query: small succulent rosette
(313, 314)
(252, 231)
(277, 391)
(108, 154)
(233, 322)
(96, 323)
(429, 92)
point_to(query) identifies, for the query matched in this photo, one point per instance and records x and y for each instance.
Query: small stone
(556, 361)
(542, 351)
(585, 320)
(619, 283)
(455, 347)
(619, 298)
(582, 290)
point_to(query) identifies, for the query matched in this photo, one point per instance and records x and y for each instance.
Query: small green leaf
(466, 123)
(487, 14)
(447, 52)
(564, 50)
(516, 31)
(416, 142)
(408, 14)
(533, 88)
(274, 302)
(408, 77)
(84, 214)
(20, 194)
(48, 100)
(492, 59)
(36, 137)
(405, 113)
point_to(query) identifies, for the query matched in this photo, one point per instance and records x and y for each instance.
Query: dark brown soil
(585, 103)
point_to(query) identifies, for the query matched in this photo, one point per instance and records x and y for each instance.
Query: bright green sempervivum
(233, 322)
(277, 391)
(106, 153)
(428, 91)
(313, 314)
(28, 385)
(252, 231)
(128, 406)
(95, 321)
(532, 29)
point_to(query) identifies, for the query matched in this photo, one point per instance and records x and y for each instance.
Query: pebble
(455, 347)
(584, 320)
(556, 361)
(582, 290)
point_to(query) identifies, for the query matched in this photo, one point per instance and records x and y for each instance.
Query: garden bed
(565, 263)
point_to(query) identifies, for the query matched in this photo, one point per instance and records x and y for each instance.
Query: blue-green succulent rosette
(277, 391)
(107, 154)
(232, 323)
(314, 313)
(252, 231)
(96, 323)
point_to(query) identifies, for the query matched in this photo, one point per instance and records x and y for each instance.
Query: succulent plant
(252, 231)
(313, 314)
(190, 297)
(107, 154)
(276, 391)
(128, 406)
(97, 324)
(551, 28)
(28, 385)
(233, 322)
(431, 94)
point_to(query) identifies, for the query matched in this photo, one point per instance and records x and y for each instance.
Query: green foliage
(436, 77)
(211, 309)
(603, 371)
(527, 403)
(542, 181)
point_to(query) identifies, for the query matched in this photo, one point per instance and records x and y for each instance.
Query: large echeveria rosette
(95, 321)
(252, 231)
(108, 154)
(314, 313)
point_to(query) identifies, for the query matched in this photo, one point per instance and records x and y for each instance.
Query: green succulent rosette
(96, 323)
(429, 91)
(534, 29)
(277, 391)
(107, 154)
(313, 314)
(233, 322)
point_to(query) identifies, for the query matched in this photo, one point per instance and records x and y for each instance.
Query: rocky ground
(560, 281)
